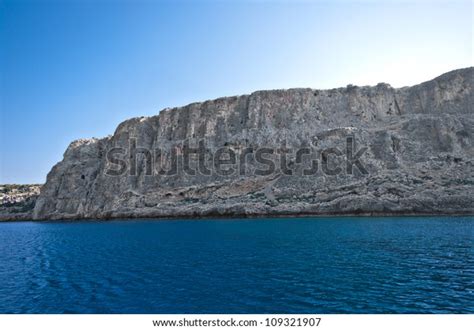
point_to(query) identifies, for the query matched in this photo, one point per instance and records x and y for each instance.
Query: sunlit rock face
(353, 150)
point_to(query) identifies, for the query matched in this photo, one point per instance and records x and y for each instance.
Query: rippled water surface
(323, 265)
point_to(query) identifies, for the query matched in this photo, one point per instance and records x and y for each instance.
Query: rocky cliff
(353, 150)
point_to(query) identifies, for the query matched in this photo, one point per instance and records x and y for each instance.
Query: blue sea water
(305, 265)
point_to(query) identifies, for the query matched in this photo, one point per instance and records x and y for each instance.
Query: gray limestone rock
(415, 145)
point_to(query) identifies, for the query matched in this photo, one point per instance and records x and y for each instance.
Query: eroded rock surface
(418, 156)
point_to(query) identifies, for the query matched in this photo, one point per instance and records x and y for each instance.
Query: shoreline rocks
(17, 201)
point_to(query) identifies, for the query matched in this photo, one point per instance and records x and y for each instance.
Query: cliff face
(378, 150)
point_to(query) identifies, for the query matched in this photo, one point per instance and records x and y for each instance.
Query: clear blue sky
(76, 69)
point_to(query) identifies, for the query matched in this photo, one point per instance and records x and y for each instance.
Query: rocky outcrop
(378, 150)
(17, 201)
